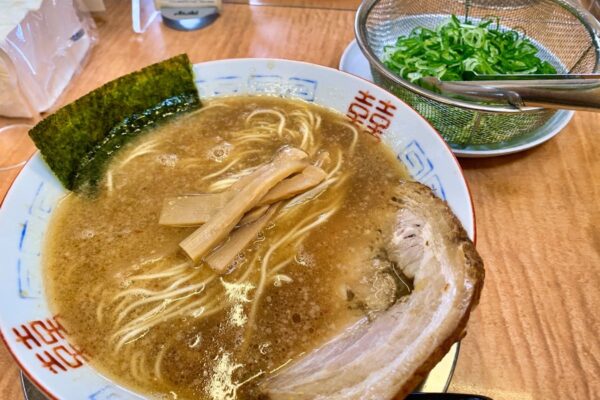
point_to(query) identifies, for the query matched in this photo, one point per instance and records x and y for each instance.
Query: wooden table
(535, 334)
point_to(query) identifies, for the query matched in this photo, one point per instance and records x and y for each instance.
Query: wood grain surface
(535, 334)
(330, 4)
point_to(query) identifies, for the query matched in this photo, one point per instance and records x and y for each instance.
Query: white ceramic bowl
(33, 335)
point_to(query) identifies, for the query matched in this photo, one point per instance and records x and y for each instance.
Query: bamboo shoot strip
(253, 215)
(287, 162)
(196, 209)
(193, 209)
(239, 239)
(310, 177)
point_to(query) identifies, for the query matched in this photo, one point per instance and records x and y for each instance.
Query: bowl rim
(591, 24)
(48, 393)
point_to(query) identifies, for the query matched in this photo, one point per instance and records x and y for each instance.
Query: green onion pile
(455, 47)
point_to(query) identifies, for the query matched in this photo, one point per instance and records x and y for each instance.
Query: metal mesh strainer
(566, 36)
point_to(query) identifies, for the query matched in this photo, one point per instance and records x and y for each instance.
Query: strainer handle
(571, 94)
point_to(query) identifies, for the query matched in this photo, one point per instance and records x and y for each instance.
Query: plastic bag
(41, 54)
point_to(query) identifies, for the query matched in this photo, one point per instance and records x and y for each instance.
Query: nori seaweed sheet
(78, 139)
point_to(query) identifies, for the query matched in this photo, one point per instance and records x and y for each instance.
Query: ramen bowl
(34, 335)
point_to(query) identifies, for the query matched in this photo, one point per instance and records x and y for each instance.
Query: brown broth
(98, 248)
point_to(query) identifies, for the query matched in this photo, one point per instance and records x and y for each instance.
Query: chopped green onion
(455, 47)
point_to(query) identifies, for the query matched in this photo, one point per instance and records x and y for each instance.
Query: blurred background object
(593, 6)
(43, 43)
(143, 13)
(328, 4)
(188, 15)
(12, 138)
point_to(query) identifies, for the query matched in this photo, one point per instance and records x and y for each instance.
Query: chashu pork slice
(388, 356)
